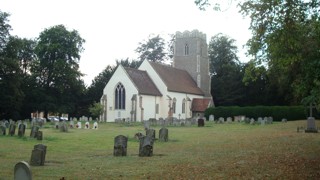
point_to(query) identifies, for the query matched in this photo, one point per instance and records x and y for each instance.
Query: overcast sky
(113, 29)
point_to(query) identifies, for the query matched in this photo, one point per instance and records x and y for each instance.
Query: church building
(157, 90)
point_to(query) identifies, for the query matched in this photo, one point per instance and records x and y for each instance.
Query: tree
(4, 29)
(153, 49)
(57, 70)
(226, 82)
(215, 4)
(286, 39)
(127, 63)
(96, 110)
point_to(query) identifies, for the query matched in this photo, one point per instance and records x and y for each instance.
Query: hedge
(277, 112)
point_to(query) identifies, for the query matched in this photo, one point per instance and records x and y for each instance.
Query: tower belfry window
(186, 49)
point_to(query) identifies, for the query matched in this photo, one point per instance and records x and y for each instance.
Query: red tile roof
(176, 80)
(200, 105)
(143, 82)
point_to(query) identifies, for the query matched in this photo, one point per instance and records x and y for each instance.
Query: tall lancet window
(199, 81)
(120, 97)
(186, 50)
(183, 106)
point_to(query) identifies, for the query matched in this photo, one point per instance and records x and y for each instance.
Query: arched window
(120, 97)
(186, 49)
(183, 106)
(174, 105)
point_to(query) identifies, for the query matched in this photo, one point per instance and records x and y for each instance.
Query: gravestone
(87, 125)
(229, 119)
(79, 125)
(22, 171)
(252, 122)
(311, 125)
(146, 125)
(263, 122)
(270, 120)
(3, 130)
(63, 127)
(95, 125)
(163, 134)
(12, 129)
(211, 117)
(71, 124)
(21, 130)
(284, 120)
(120, 146)
(39, 135)
(38, 155)
(200, 122)
(151, 133)
(260, 120)
(146, 146)
(34, 131)
(221, 120)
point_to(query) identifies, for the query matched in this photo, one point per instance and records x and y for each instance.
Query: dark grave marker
(39, 135)
(12, 129)
(146, 146)
(201, 122)
(163, 134)
(151, 133)
(34, 131)
(38, 155)
(21, 130)
(120, 146)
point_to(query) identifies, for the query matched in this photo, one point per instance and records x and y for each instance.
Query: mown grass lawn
(216, 151)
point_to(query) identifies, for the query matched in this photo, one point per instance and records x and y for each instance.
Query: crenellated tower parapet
(193, 34)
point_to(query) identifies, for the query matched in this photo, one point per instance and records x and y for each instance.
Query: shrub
(277, 112)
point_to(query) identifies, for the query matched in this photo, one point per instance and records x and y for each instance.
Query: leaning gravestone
(38, 155)
(3, 130)
(311, 125)
(163, 134)
(200, 122)
(120, 146)
(34, 131)
(12, 129)
(151, 133)
(22, 171)
(146, 146)
(21, 130)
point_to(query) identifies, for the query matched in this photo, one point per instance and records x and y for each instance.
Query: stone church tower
(191, 54)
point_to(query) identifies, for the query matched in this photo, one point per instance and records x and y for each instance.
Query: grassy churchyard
(216, 151)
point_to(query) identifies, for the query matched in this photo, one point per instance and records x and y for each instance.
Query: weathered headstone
(12, 129)
(200, 122)
(63, 127)
(229, 119)
(311, 125)
(146, 125)
(221, 120)
(39, 135)
(3, 130)
(34, 131)
(211, 117)
(163, 134)
(284, 120)
(79, 125)
(21, 130)
(252, 122)
(22, 171)
(151, 133)
(120, 146)
(146, 146)
(38, 155)
(270, 120)
(71, 124)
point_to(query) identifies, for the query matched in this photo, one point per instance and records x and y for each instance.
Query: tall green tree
(57, 69)
(226, 71)
(286, 39)
(152, 49)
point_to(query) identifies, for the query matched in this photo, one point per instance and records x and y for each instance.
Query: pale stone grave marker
(3, 130)
(311, 125)
(229, 119)
(87, 125)
(120, 146)
(95, 125)
(63, 127)
(252, 122)
(79, 125)
(221, 120)
(211, 117)
(22, 171)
